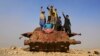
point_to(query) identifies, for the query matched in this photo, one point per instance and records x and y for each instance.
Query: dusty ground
(16, 51)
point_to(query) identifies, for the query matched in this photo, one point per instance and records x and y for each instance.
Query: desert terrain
(18, 51)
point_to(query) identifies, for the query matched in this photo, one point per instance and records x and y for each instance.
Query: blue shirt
(48, 25)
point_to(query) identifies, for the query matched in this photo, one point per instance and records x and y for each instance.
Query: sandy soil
(16, 51)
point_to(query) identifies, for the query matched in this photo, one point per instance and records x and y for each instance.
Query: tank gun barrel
(73, 41)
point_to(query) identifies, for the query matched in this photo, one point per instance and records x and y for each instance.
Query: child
(42, 18)
(48, 27)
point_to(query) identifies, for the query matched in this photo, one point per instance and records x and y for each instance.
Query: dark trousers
(58, 28)
(68, 29)
(49, 18)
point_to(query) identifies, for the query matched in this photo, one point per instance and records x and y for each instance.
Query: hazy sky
(19, 16)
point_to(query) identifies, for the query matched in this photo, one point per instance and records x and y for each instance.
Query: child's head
(43, 12)
(67, 15)
(59, 17)
(51, 6)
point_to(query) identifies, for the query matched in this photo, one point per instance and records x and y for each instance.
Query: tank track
(49, 47)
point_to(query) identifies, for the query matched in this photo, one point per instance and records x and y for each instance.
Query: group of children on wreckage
(54, 21)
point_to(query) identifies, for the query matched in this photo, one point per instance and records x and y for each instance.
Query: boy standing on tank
(52, 15)
(67, 24)
(42, 18)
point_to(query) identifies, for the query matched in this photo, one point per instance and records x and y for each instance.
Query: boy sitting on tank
(48, 27)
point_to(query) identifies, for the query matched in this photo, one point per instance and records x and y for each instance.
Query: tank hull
(49, 47)
(57, 41)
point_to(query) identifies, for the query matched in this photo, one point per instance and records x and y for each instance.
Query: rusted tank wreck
(57, 41)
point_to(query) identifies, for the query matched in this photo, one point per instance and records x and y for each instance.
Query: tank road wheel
(45, 49)
(62, 46)
(37, 46)
(48, 47)
(51, 46)
(32, 48)
(67, 44)
(57, 46)
(54, 46)
(41, 46)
